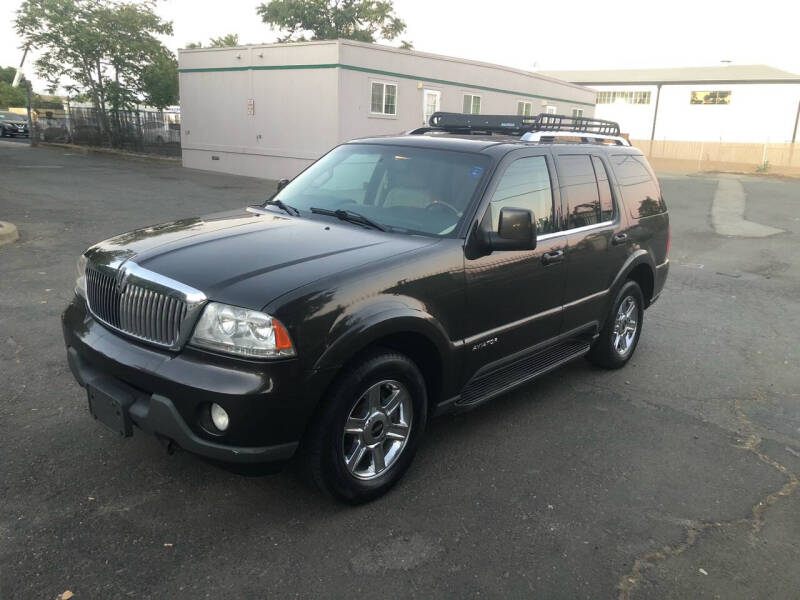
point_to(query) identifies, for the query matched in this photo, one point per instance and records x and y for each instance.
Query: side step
(522, 371)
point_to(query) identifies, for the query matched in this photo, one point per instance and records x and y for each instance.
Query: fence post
(764, 156)
(139, 135)
(33, 138)
(700, 156)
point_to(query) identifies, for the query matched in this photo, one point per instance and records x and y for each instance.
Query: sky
(579, 34)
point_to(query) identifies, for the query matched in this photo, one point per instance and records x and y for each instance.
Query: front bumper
(166, 394)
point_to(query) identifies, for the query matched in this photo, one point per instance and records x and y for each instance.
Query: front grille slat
(151, 330)
(144, 313)
(170, 316)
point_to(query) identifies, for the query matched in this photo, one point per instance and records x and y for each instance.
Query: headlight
(241, 331)
(80, 277)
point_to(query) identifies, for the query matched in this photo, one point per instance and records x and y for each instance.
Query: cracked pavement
(674, 477)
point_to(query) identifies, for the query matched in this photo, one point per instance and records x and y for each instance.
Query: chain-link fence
(145, 131)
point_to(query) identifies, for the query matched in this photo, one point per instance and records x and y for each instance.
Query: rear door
(514, 297)
(596, 241)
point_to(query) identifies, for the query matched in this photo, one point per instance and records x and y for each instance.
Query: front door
(431, 103)
(514, 298)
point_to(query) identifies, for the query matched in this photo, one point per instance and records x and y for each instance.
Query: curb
(111, 151)
(8, 233)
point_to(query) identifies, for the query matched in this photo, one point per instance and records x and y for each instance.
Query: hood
(250, 258)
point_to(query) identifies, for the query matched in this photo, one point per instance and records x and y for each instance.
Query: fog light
(219, 417)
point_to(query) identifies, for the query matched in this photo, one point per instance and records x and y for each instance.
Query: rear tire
(368, 429)
(623, 327)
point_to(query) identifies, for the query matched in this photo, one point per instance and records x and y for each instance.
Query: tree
(225, 41)
(160, 82)
(102, 47)
(11, 96)
(362, 20)
(231, 39)
(7, 74)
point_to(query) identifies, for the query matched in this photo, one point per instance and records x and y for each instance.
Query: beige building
(270, 110)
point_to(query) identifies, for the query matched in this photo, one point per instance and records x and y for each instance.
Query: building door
(431, 102)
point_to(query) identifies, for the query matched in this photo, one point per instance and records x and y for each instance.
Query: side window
(639, 188)
(579, 187)
(525, 184)
(604, 187)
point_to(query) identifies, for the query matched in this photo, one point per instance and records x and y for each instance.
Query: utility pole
(33, 138)
(655, 118)
(18, 74)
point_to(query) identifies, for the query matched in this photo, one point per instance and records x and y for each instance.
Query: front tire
(366, 434)
(623, 327)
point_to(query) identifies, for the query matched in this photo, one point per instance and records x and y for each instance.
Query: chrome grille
(144, 313)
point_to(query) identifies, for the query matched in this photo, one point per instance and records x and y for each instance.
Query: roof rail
(517, 124)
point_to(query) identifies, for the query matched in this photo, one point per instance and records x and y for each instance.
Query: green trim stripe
(379, 72)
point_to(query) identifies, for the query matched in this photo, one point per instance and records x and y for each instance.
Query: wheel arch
(639, 267)
(413, 333)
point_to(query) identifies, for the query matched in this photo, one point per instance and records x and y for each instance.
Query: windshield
(416, 190)
(12, 116)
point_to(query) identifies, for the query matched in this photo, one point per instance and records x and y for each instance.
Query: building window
(524, 108)
(384, 98)
(550, 109)
(710, 97)
(577, 112)
(623, 97)
(472, 104)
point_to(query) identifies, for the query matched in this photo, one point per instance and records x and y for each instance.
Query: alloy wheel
(377, 429)
(625, 326)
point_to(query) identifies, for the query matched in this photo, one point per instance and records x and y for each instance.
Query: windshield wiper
(348, 215)
(283, 206)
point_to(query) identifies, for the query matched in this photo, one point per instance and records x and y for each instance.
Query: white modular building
(270, 110)
(727, 103)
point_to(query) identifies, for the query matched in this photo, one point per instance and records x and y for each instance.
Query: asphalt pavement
(674, 477)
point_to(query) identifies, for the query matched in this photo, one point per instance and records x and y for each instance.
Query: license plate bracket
(110, 411)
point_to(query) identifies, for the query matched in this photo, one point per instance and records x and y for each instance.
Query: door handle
(548, 258)
(620, 238)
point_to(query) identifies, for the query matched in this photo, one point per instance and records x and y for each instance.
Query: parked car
(13, 124)
(159, 132)
(394, 279)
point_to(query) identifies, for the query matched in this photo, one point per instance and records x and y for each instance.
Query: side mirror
(282, 184)
(516, 230)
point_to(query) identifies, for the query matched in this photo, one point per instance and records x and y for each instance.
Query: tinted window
(525, 184)
(410, 190)
(639, 188)
(604, 187)
(579, 187)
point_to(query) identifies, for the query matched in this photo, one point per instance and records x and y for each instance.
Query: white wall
(756, 113)
(308, 97)
(295, 116)
(414, 72)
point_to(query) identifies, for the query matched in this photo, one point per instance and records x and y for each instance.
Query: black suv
(394, 279)
(13, 124)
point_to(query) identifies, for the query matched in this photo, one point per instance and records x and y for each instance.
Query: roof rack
(518, 124)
